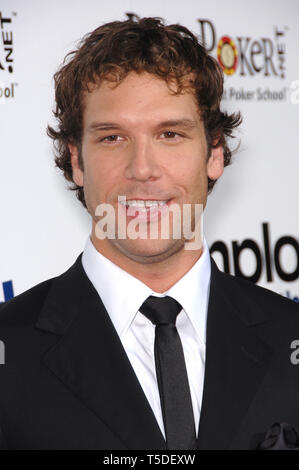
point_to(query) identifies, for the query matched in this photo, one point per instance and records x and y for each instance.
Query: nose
(143, 162)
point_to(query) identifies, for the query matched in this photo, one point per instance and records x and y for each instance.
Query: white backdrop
(44, 227)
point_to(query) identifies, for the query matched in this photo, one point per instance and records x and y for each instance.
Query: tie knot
(161, 310)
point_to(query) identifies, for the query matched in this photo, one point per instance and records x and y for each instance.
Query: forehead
(139, 95)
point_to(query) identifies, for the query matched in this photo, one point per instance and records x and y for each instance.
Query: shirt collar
(123, 294)
(192, 292)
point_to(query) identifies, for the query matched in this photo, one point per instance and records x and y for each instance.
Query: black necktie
(171, 373)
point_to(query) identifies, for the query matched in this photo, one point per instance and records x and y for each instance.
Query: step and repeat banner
(251, 221)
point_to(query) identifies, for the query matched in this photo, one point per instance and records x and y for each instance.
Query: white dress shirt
(123, 294)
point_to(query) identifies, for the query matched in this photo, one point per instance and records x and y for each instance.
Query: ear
(77, 172)
(215, 165)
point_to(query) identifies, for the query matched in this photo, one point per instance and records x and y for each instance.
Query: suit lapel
(91, 361)
(236, 361)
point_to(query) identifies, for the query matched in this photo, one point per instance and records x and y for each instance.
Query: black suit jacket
(67, 382)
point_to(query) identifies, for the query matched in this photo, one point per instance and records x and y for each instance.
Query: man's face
(142, 142)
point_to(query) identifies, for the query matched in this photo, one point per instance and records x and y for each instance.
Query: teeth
(143, 204)
(154, 203)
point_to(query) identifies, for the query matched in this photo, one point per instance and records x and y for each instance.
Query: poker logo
(7, 50)
(6, 43)
(227, 55)
(247, 55)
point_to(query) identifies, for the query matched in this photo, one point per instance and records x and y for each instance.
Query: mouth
(145, 209)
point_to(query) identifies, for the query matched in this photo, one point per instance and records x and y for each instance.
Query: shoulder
(245, 293)
(22, 309)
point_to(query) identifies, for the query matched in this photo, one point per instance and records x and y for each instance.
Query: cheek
(92, 183)
(197, 185)
(100, 179)
(192, 173)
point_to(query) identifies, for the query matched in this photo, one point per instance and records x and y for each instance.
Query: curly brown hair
(113, 50)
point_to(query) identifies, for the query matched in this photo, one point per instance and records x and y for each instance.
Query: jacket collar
(236, 360)
(90, 360)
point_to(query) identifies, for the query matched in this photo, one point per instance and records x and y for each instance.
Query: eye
(170, 135)
(111, 138)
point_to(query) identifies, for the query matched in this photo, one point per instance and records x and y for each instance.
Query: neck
(159, 272)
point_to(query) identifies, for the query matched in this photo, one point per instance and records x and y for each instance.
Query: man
(143, 343)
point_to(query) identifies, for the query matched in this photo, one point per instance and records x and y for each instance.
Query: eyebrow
(185, 123)
(99, 126)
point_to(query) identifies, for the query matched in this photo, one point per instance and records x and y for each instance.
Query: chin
(149, 251)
